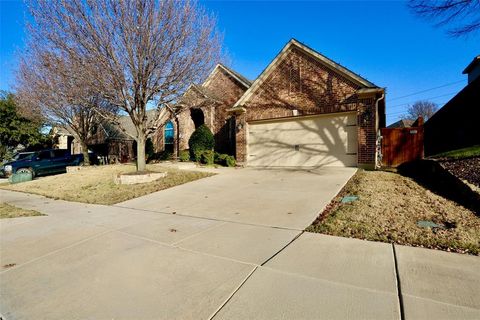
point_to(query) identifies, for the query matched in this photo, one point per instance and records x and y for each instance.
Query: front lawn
(8, 211)
(388, 208)
(96, 184)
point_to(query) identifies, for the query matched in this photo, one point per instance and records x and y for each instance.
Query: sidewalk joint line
(57, 250)
(199, 233)
(399, 286)
(285, 246)
(443, 302)
(212, 219)
(185, 249)
(232, 294)
(334, 282)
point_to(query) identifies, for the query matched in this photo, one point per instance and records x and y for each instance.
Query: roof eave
(471, 65)
(237, 110)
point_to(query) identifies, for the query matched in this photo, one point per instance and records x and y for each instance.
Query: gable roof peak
(235, 75)
(309, 51)
(333, 64)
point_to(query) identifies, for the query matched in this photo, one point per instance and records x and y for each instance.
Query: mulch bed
(465, 169)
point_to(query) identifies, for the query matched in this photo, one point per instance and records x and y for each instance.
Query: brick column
(367, 136)
(241, 138)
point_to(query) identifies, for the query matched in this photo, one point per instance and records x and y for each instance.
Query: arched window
(168, 134)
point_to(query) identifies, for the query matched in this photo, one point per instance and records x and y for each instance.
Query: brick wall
(224, 91)
(228, 91)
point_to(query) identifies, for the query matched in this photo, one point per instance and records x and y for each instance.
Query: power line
(404, 111)
(442, 95)
(426, 90)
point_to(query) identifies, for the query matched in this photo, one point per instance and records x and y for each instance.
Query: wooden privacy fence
(401, 145)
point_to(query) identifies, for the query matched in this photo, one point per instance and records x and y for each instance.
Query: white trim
(281, 56)
(304, 117)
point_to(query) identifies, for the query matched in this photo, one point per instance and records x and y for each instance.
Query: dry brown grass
(96, 184)
(388, 209)
(8, 211)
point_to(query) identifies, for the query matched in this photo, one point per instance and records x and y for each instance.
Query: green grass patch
(469, 152)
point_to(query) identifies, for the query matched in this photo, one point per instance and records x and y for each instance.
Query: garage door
(327, 140)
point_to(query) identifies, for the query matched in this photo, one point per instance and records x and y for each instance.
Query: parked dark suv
(43, 162)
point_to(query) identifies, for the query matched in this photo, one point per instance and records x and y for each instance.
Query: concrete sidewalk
(103, 262)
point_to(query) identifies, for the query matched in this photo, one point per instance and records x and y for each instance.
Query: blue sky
(382, 41)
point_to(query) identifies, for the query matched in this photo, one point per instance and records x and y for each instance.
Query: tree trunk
(86, 158)
(141, 161)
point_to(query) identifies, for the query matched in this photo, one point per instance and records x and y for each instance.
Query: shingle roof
(245, 81)
(403, 123)
(113, 131)
(235, 75)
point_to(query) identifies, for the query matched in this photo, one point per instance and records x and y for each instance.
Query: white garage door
(327, 140)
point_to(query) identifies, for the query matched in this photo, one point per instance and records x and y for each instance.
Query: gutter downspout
(378, 149)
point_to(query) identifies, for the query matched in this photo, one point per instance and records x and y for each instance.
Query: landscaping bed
(465, 169)
(396, 209)
(462, 163)
(97, 184)
(8, 211)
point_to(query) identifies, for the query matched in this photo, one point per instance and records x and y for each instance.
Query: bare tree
(422, 108)
(136, 53)
(462, 15)
(47, 89)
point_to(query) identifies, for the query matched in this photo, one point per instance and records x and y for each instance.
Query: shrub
(201, 139)
(216, 157)
(160, 156)
(197, 155)
(230, 161)
(184, 156)
(225, 160)
(207, 157)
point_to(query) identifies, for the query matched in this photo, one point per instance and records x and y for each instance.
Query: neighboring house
(116, 142)
(64, 139)
(403, 123)
(455, 125)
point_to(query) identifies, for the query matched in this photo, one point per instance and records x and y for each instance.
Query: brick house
(207, 104)
(115, 142)
(305, 110)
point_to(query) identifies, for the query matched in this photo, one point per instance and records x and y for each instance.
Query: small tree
(462, 15)
(16, 129)
(135, 53)
(422, 108)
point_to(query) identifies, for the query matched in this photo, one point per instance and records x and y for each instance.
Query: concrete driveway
(275, 198)
(112, 262)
